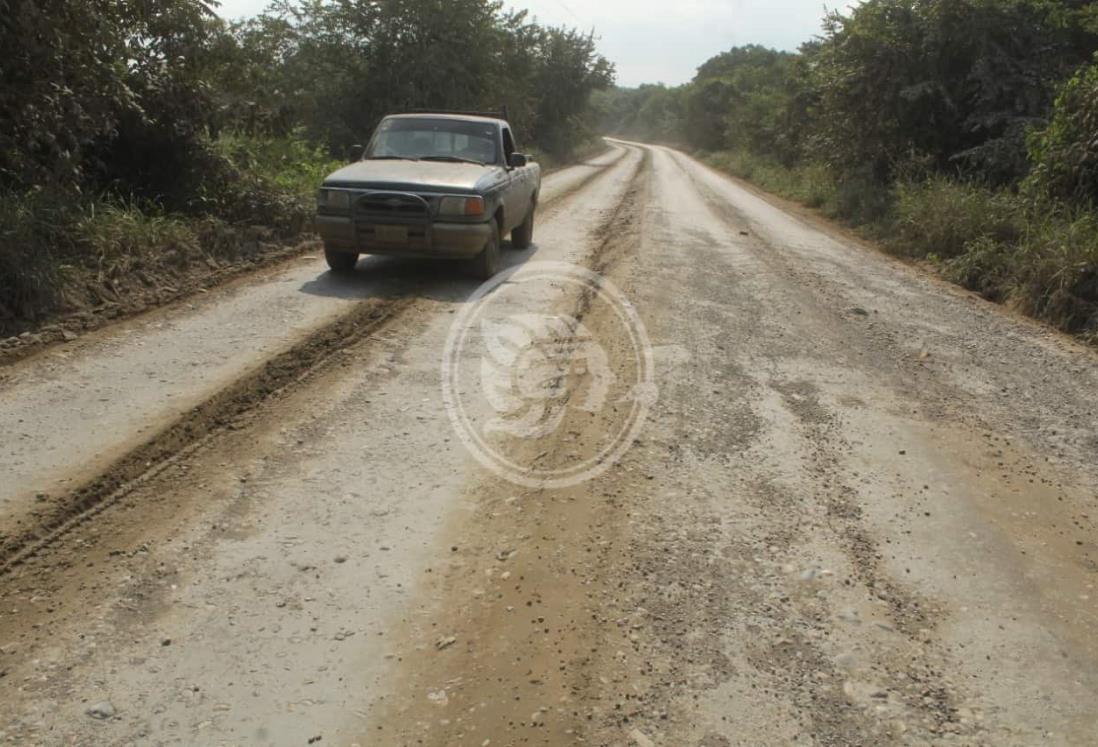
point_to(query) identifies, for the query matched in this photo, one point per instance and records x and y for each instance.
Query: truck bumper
(442, 240)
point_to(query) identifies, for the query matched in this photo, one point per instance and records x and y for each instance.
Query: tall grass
(31, 225)
(938, 217)
(1055, 270)
(810, 184)
(119, 236)
(1038, 255)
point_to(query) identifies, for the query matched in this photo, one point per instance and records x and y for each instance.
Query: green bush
(135, 134)
(264, 181)
(861, 199)
(1065, 154)
(288, 164)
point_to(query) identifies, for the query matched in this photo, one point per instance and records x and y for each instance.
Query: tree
(955, 81)
(742, 99)
(127, 97)
(1065, 153)
(62, 84)
(337, 67)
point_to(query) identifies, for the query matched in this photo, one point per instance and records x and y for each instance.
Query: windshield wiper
(451, 159)
(390, 158)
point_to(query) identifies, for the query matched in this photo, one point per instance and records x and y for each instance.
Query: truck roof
(449, 115)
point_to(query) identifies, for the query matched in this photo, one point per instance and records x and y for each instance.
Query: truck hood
(412, 176)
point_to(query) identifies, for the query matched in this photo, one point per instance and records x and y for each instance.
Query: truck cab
(439, 185)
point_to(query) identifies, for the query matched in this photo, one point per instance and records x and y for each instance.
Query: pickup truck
(431, 185)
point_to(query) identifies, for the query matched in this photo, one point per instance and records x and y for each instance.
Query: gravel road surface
(857, 505)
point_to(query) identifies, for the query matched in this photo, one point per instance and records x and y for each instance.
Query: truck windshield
(439, 139)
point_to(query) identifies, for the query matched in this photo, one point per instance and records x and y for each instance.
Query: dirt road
(858, 507)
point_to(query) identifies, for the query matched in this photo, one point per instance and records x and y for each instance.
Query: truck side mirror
(355, 154)
(518, 160)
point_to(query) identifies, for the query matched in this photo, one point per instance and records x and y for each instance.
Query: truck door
(518, 192)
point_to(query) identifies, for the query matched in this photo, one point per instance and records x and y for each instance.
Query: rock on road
(861, 509)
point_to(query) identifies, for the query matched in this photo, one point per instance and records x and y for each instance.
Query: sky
(661, 41)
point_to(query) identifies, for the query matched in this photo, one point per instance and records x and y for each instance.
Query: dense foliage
(162, 107)
(964, 131)
(336, 67)
(1065, 153)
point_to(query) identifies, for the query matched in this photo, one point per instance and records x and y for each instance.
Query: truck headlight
(469, 207)
(333, 199)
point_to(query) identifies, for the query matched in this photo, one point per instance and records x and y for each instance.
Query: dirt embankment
(90, 298)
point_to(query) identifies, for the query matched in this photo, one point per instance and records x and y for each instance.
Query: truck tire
(523, 235)
(340, 261)
(486, 264)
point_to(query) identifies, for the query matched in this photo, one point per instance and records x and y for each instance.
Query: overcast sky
(662, 41)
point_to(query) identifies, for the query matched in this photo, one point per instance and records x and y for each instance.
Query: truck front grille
(380, 205)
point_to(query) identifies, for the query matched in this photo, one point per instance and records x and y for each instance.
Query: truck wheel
(486, 264)
(340, 261)
(523, 236)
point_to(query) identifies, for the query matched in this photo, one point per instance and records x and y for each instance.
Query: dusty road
(860, 508)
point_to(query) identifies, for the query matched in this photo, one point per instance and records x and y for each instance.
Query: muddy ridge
(98, 304)
(57, 515)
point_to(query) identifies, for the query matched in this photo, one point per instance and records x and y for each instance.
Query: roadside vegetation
(959, 132)
(144, 141)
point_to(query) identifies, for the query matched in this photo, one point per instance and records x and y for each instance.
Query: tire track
(523, 614)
